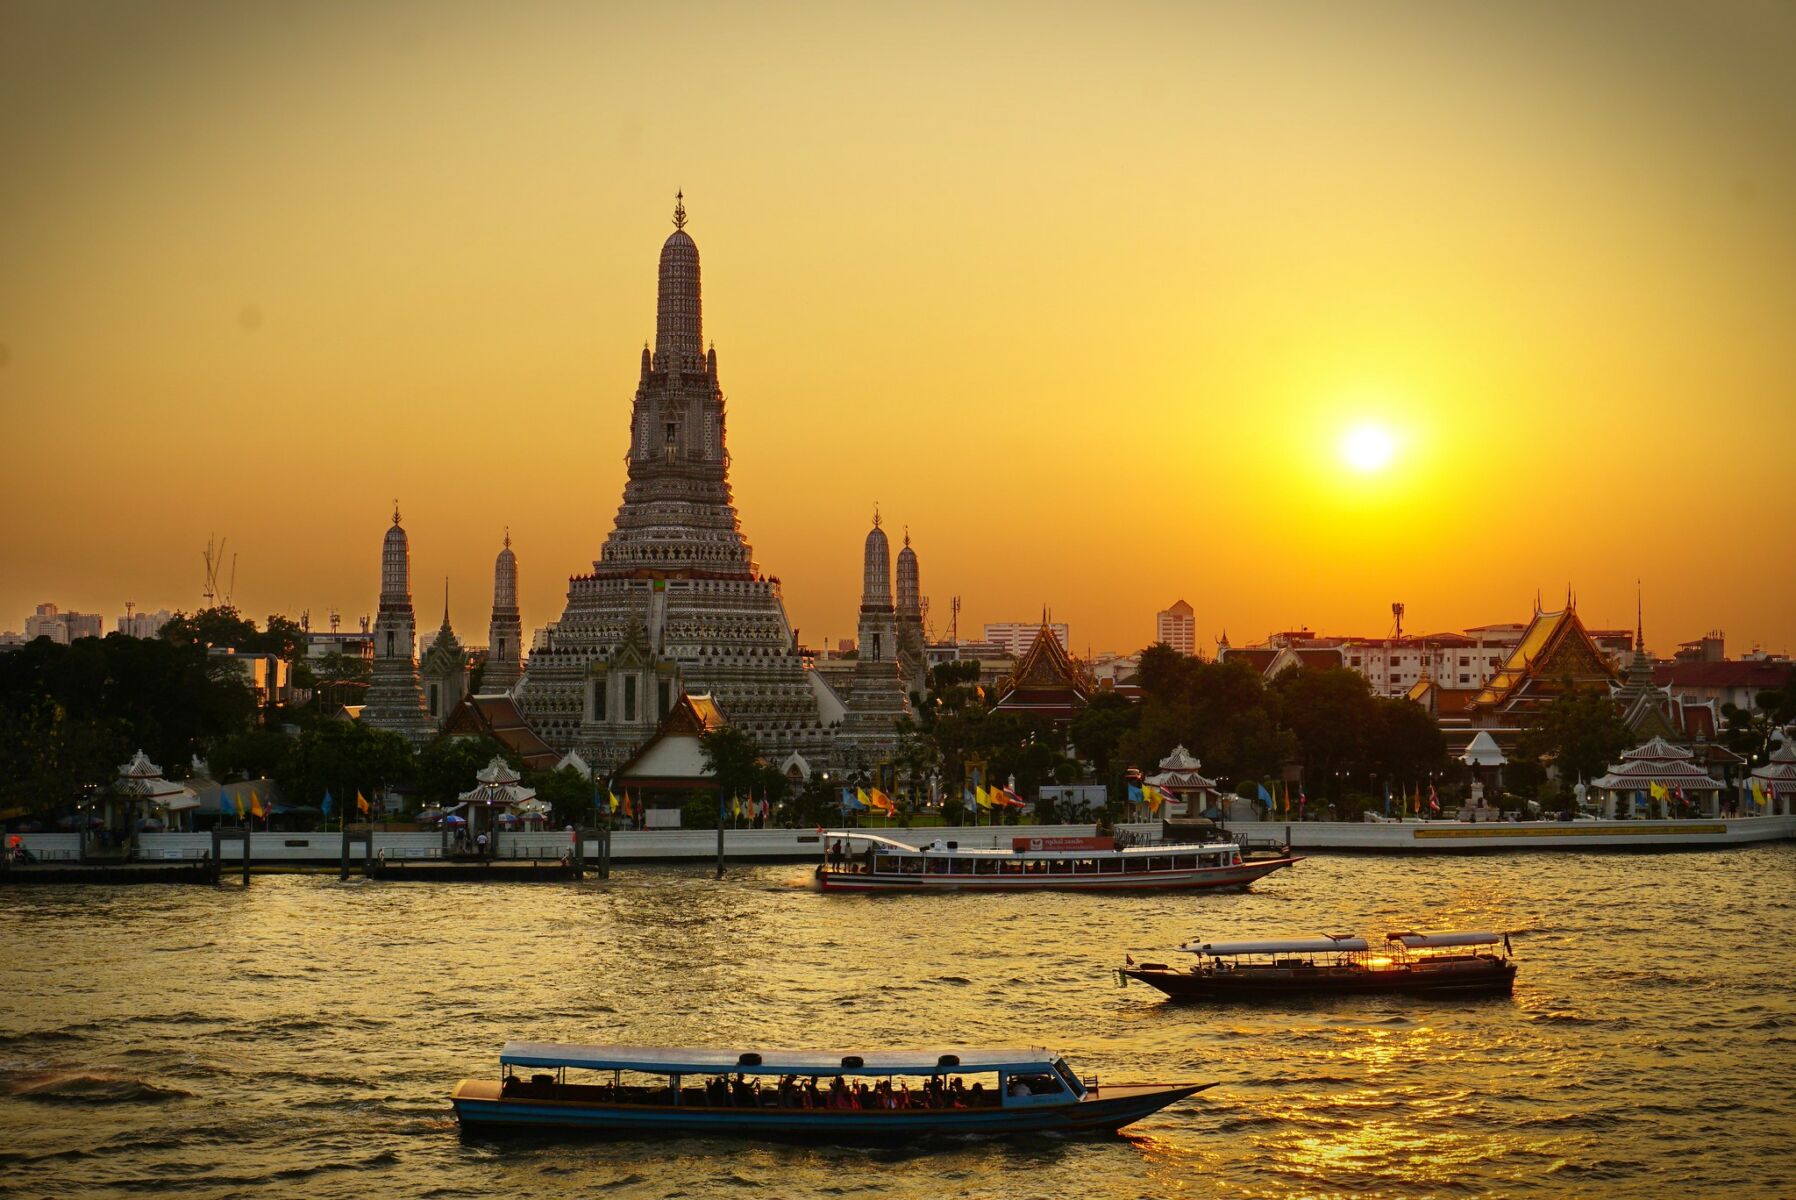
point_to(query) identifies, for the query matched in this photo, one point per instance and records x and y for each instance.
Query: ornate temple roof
(1046, 680)
(1780, 773)
(1181, 771)
(498, 784)
(1658, 750)
(498, 717)
(1555, 645)
(1636, 774)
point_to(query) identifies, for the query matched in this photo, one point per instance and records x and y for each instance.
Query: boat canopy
(931, 849)
(1434, 941)
(658, 1061)
(1316, 945)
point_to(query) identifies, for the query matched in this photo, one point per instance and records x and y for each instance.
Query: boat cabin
(860, 853)
(787, 1080)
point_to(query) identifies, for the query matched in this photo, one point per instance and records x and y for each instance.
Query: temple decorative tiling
(395, 699)
(675, 602)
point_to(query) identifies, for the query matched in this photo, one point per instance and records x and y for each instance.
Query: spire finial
(679, 210)
(1639, 619)
(395, 512)
(907, 535)
(876, 514)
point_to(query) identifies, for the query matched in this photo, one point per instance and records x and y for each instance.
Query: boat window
(886, 862)
(1134, 866)
(1207, 860)
(1157, 864)
(1062, 866)
(986, 866)
(1012, 866)
(1110, 865)
(1184, 862)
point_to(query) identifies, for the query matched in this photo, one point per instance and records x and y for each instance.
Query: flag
(1266, 799)
(611, 799)
(736, 806)
(984, 796)
(1136, 795)
(361, 803)
(1758, 794)
(255, 805)
(1387, 798)
(224, 801)
(1434, 802)
(238, 801)
(1014, 800)
(883, 803)
(326, 806)
(766, 809)
(1154, 797)
(1656, 790)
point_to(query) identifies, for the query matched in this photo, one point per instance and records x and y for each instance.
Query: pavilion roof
(1639, 772)
(497, 716)
(1658, 750)
(1554, 644)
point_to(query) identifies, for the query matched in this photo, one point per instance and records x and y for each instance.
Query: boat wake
(87, 1087)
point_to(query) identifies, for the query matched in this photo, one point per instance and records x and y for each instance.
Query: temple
(444, 669)
(675, 602)
(505, 632)
(395, 699)
(876, 700)
(1047, 683)
(912, 665)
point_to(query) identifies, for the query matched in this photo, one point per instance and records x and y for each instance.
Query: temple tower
(505, 634)
(444, 669)
(395, 698)
(913, 667)
(876, 701)
(675, 601)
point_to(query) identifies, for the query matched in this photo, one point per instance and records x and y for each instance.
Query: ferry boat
(633, 1091)
(1435, 964)
(864, 862)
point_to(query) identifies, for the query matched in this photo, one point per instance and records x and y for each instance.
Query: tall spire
(395, 512)
(1639, 619)
(445, 602)
(679, 322)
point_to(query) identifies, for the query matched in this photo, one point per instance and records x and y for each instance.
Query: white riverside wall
(673, 845)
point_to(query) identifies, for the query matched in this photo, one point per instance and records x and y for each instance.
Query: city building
(675, 601)
(268, 676)
(505, 632)
(1701, 672)
(395, 698)
(62, 627)
(876, 700)
(1015, 637)
(143, 624)
(1177, 627)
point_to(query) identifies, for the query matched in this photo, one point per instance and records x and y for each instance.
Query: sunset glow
(1368, 448)
(950, 266)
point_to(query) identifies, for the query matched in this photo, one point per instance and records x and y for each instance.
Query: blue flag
(1265, 797)
(326, 806)
(224, 802)
(1135, 794)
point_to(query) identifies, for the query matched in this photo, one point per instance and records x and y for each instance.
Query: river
(299, 1037)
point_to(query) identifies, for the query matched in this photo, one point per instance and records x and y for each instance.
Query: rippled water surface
(300, 1037)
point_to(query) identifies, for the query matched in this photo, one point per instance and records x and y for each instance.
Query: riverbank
(188, 857)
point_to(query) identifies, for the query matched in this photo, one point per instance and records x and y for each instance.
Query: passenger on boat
(812, 1097)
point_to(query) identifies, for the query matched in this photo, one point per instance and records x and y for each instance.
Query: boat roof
(1327, 942)
(886, 843)
(663, 1061)
(1430, 941)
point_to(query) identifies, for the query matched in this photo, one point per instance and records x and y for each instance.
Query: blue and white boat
(635, 1091)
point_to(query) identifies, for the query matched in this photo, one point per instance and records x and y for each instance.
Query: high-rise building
(505, 635)
(1017, 636)
(1177, 627)
(395, 698)
(675, 601)
(62, 627)
(144, 624)
(876, 699)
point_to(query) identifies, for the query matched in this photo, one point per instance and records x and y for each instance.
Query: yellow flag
(255, 804)
(861, 795)
(361, 803)
(612, 797)
(238, 801)
(1155, 797)
(984, 797)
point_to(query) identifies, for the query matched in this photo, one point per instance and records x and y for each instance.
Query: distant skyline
(1290, 313)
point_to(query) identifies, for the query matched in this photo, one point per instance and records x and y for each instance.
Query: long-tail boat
(1435, 964)
(865, 862)
(633, 1091)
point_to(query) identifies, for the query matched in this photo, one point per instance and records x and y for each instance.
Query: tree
(732, 759)
(342, 758)
(1097, 733)
(1405, 743)
(1331, 714)
(257, 754)
(1581, 732)
(221, 625)
(567, 791)
(447, 766)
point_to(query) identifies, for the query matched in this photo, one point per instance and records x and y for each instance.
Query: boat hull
(1230, 878)
(1485, 978)
(482, 1109)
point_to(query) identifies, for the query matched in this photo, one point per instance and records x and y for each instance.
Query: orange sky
(1085, 295)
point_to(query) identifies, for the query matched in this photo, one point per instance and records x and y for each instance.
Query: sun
(1368, 448)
